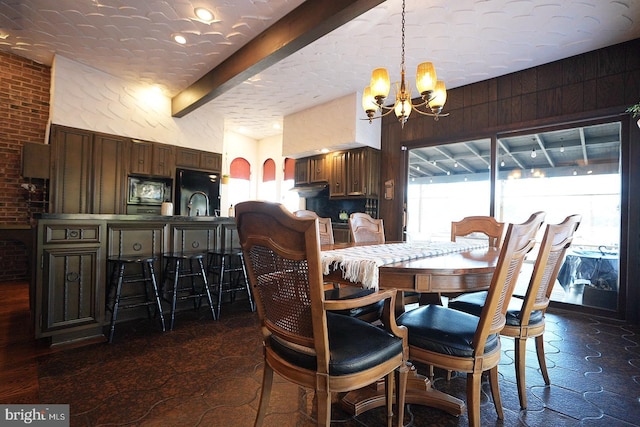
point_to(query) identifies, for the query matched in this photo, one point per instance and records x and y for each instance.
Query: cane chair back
(526, 317)
(458, 341)
(365, 229)
(473, 225)
(304, 341)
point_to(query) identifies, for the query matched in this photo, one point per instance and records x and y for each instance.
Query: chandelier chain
(432, 91)
(403, 23)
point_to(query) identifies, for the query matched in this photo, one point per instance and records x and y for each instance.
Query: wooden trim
(304, 25)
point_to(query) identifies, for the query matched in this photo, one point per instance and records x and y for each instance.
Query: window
(268, 190)
(453, 175)
(561, 172)
(239, 183)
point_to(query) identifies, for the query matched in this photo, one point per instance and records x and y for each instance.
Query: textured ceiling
(467, 40)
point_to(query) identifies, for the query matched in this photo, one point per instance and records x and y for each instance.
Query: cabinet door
(109, 172)
(194, 237)
(162, 160)
(71, 300)
(337, 179)
(373, 174)
(357, 172)
(139, 239)
(301, 172)
(211, 161)
(318, 169)
(187, 157)
(136, 238)
(141, 157)
(71, 170)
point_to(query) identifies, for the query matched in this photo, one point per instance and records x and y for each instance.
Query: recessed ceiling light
(179, 38)
(203, 14)
(277, 126)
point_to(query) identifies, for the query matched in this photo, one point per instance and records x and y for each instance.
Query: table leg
(419, 391)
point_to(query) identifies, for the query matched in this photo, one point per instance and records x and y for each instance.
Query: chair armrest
(348, 303)
(388, 319)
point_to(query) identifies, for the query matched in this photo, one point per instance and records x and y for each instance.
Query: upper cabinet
(195, 159)
(301, 172)
(318, 170)
(162, 164)
(211, 161)
(150, 158)
(363, 172)
(89, 170)
(311, 170)
(338, 175)
(71, 170)
(350, 173)
(355, 173)
(109, 174)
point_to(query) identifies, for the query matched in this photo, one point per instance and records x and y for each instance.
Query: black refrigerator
(197, 193)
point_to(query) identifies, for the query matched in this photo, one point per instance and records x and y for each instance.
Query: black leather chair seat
(444, 330)
(348, 337)
(473, 302)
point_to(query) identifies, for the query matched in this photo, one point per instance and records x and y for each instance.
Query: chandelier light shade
(426, 79)
(432, 91)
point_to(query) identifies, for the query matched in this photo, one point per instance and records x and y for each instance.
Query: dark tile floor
(208, 373)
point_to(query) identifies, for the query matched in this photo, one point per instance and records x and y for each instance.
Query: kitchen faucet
(190, 204)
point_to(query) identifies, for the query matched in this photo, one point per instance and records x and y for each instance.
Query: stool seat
(180, 265)
(120, 277)
(227, 269)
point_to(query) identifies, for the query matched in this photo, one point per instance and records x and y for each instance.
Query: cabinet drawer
(65, 233)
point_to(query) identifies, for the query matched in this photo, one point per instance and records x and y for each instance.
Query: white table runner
(359, 264)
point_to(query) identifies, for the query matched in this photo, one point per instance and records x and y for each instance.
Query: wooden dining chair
(473, 225)
(526, 317)
(365, 229)
(305, 341)
(458, 341)
(326, 229)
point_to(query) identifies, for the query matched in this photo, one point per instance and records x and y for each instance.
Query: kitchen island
(68, 289)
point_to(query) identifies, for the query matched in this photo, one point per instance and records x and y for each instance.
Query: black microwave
(148, 191)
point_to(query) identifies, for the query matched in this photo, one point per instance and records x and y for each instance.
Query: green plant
(634, 110)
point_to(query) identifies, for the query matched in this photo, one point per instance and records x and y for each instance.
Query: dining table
(429, 268)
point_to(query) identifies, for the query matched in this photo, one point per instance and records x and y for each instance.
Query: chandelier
(432, 91)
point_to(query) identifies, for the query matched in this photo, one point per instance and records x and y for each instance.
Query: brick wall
(24, 112)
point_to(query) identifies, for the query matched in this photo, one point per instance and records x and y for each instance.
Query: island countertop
(71, 276)
(123, 217)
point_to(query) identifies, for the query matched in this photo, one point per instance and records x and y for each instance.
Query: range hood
(313, 190)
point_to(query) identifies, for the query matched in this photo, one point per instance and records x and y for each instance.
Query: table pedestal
(419, 391)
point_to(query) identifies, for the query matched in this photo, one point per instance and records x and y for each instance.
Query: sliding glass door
(561, 172)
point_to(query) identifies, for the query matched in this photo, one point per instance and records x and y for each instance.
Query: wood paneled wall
(594, 85)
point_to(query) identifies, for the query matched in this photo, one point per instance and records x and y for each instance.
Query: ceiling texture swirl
(304, 63)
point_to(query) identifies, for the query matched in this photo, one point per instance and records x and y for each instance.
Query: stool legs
(221, 264)
(119, 277)
(176, 268)
(152, 274)
(245, 277)
(119, 272)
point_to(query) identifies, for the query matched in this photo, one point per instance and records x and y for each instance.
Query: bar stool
(227, 270)
(121, 276)
(180, 265)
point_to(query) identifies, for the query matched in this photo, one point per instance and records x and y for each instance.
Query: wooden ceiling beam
(302, 26)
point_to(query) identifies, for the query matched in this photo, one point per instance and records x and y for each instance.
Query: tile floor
(208, 373)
